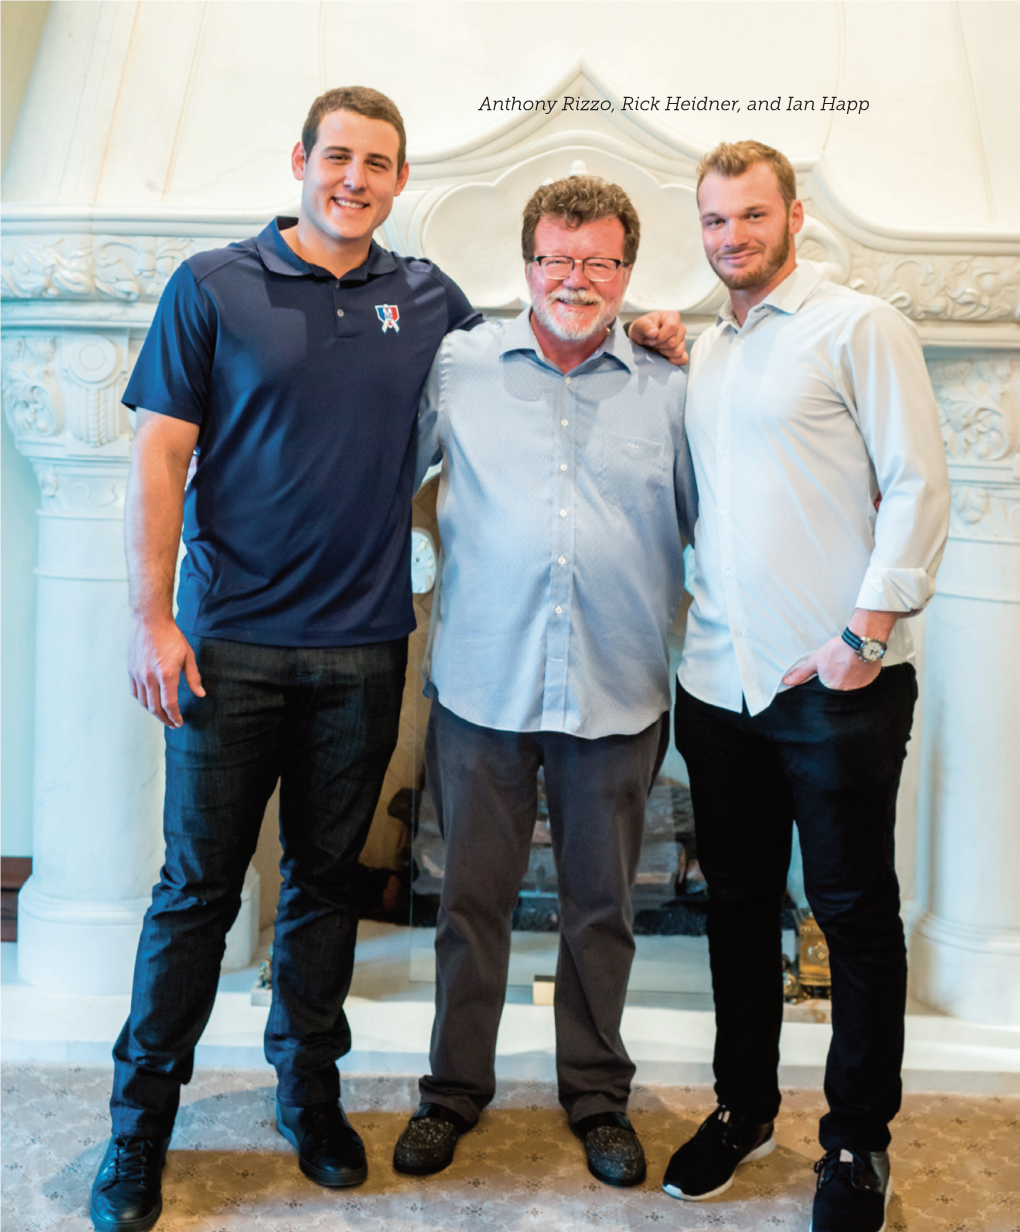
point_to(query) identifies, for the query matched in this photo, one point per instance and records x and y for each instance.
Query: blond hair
(731, 160)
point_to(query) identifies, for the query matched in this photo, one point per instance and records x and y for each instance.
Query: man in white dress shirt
(566, 483)
(807, 403)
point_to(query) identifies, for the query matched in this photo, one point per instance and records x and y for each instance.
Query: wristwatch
(867, 649)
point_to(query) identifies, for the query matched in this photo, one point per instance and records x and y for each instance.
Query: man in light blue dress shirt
(796, 690)
(565, 488)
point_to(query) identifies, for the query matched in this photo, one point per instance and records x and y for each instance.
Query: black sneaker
(853, 1192)
(612, 1148)
(429, 1140)
(330, 1150)
(704, 1166)
(127, 1193)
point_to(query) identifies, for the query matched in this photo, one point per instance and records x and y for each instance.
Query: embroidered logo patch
(389, 314)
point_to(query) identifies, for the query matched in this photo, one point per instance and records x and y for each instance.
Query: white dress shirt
(797, 420)
(561, 503)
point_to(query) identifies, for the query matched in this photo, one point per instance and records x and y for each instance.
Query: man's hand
(157, 655)
(663, 332)
(836, 666)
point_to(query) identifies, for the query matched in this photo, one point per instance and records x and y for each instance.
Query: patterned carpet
(956, 1163)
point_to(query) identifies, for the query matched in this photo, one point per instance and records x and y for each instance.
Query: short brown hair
(577, 200)
(362, 101)
(733, 160)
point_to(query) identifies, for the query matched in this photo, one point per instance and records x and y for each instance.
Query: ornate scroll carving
(102, 267)
(31, 392)
(977, 408)
(67, 384)
(825, 248)
(940, 288)
(75, 488)
(980, 512)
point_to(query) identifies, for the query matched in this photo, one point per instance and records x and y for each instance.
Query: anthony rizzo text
(673, 102)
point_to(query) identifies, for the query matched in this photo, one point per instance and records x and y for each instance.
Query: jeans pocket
(633, 471)
(844, 692)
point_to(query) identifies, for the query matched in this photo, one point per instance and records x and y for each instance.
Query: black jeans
(832, 760)
(323, 722)
(484, 784)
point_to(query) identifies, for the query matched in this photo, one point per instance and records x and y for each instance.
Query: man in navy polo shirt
(291, 364)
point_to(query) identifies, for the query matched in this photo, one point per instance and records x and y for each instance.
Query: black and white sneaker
(853, 1192)
(704, 1166)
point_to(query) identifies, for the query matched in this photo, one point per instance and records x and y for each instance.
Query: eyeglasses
(595, 269)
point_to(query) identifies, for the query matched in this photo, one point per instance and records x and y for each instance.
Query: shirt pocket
(633, 471)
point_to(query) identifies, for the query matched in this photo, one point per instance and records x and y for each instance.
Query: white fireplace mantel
(79, 286)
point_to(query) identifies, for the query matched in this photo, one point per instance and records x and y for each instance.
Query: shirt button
(563, 422)
(339, 312)
(563, 466)
(567, 380)
(723, 513)
(563, 560)
(559, 611)
(563, 513)
(729, 573)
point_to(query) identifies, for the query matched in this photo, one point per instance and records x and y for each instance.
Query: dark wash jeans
(832, 760)
(324, 722)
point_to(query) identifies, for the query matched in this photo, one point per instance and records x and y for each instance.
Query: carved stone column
(965, 948)
(97, 828)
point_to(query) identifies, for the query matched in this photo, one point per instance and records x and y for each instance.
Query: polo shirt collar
(519, 336)
(279, 258)
(787, 297)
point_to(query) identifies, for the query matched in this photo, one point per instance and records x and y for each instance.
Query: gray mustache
(575, 297)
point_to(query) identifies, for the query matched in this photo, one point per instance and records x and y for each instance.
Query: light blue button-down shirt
(797, 421)
(561, 504)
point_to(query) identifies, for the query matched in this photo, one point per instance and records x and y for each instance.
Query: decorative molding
(31, 393)
(95, 368)
(987, 512)
(79, 266)
(978, 408)
(471, 229)
(75, 487)
(65, 389)
(929, 286)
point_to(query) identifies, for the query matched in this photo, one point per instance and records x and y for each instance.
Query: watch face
(423, 561)
(872, 650)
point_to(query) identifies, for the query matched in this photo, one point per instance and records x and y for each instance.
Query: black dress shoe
(330, 1150)
(429, 1140)
(612, 1147)
(126, 1195)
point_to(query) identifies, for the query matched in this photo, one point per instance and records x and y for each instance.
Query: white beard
(543, 309)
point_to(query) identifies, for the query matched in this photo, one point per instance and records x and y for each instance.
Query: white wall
(195, 105)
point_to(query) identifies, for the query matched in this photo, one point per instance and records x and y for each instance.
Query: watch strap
(855, 643)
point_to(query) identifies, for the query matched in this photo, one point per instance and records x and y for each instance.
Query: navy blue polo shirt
(305, 388)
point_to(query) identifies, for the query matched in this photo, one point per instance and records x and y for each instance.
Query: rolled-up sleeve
(890, 393)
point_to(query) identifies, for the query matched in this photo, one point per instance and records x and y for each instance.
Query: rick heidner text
(674, 102)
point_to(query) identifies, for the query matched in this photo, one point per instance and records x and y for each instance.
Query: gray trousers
(484, 786)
